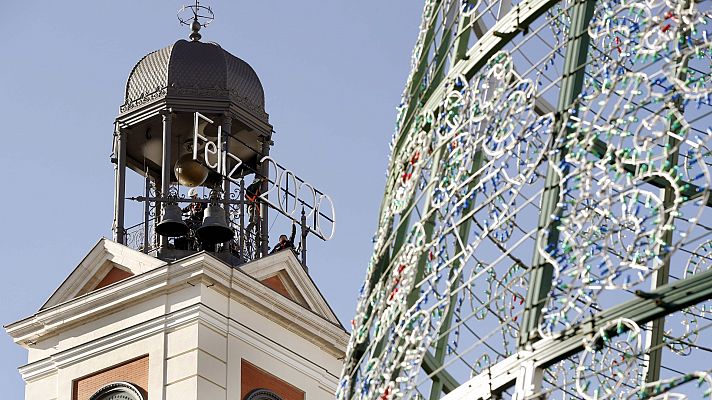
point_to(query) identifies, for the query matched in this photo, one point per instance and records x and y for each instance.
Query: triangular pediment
(295, 302)
(283, 284)
(283, 273)
(108, 262)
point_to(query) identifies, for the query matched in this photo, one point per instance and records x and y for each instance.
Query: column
(166, 163)
(226, 129)
(119, 184)
(264, 214)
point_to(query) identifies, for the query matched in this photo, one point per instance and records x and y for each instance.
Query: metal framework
(195, 135)
(294, 199)
(545, 228)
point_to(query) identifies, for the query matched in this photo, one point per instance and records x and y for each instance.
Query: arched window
(262, 394)
(118, 391)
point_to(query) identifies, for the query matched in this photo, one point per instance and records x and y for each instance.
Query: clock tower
(187, 301)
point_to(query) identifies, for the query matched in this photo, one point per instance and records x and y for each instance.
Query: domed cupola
(193, 70)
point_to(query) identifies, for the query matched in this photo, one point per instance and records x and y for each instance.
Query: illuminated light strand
(612, 225)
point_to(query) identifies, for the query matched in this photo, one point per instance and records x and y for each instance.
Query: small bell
(214, 228)
(172, 224)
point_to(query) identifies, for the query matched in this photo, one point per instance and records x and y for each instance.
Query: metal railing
(242, 216)
(142, 236)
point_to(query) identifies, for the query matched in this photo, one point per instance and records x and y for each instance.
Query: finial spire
(195, 16)
(195, 28)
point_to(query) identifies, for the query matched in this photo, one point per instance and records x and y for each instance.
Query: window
(119, 391)
(262, 394)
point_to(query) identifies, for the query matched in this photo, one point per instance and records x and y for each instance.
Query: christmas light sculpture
(545, 230)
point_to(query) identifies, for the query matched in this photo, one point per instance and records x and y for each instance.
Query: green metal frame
(533, 351)
(543, 353)
(541, 272)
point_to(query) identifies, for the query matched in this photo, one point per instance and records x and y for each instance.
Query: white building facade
(125, 325)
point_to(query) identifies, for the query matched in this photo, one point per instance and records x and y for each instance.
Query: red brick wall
(253, 378)
(115, 275)
(276, 284)
(135, 372)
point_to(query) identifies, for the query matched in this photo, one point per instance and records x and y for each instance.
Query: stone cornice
(199, 267)
(175, 320)
(116, 340)
(286, 261)
(104, 250)
(205, 94)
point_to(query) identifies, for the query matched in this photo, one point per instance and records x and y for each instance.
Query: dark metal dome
(194, 70)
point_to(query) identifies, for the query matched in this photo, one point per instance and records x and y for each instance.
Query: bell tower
(187, 301)
(188, 107)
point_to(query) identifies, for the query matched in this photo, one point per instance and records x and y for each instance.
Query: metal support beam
(528, 381)
(661, 276)
(439, 380)
(243, 210)
(430, 365)
(166, 161)
(305, 234)
(401, 233)
(415, 86)
(146, 211)
(179, 200)
(226, 129)
(656, 304)
(414, 90)
(264, 214)
(438, 77)
(464, 30)
(441, 54)
(118, 229)
(572, 79)
(687, 190)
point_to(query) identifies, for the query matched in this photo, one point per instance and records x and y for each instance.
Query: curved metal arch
(118, 391)
(262, 394)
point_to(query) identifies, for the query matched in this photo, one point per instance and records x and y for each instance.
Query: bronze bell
(172, 224)
(214, 228)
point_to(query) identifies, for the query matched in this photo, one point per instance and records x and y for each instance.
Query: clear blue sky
(332, 71)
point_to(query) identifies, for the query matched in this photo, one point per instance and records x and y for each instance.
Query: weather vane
(195, 16)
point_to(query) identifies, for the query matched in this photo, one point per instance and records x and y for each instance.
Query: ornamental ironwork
(118, 391)
(545, 230)
(262, 394)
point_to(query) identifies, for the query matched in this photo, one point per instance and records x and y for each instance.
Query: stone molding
(62, 316)
(200, 268)
(263, 268)
(196, 313)
(104, 250)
